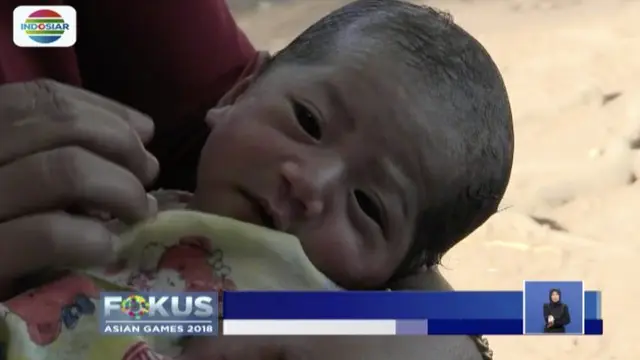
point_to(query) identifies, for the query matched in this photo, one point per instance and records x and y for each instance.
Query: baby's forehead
(389, 130)
(374, 98)
(385, 106)
(378, 89)
(385, 99)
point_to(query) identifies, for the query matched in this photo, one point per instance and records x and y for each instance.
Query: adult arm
(565, 319)
(546, 312)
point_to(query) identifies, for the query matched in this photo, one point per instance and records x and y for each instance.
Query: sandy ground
(572, 69)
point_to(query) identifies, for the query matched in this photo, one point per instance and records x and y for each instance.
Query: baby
(380, 138)
(377, 140)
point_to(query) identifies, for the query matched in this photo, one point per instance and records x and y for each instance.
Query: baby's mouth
(261, 209)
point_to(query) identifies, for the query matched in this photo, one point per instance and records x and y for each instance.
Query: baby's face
(323, 153)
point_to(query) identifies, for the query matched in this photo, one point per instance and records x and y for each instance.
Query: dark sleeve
(170, 59)
(545, 312)
(6, 291)
(565, 319)
(160, 56)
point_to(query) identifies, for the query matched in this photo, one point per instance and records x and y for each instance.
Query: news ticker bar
(404, 305)
(386, 327)
(336, 313)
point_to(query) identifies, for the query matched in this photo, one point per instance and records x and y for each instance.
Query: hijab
(551, 302)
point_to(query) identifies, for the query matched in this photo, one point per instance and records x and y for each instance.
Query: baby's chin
(230, 204)
(342, 272)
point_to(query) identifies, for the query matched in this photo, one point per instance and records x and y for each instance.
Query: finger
(49, 93)
(53, 239)
(83, 125)
(70, 176)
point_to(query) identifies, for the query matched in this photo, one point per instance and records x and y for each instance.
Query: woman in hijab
(556, 313)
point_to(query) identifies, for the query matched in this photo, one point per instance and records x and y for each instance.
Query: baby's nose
(310, 184)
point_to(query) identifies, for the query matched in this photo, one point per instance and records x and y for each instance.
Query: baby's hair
(456, 86)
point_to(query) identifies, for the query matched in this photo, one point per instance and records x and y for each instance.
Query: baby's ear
(246, 79)
(217, 115)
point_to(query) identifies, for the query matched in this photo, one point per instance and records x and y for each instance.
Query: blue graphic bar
(372, 305)
(467, 305)
(593, 327)
(411, 327)
(592, 305)
(475, 327)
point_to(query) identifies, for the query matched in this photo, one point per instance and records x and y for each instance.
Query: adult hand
(550, 319)
(64, 148)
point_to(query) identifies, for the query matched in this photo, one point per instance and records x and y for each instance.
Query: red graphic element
(41, 308)
(191, 259)
(44, 13)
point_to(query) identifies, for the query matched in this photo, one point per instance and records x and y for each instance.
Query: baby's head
(380, 137)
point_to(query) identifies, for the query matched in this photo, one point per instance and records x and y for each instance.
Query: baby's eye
(307, 121)
(369, 206)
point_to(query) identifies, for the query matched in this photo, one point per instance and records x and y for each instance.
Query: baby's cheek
(336, 251)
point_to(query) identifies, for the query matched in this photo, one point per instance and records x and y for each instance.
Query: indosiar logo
(36, 26)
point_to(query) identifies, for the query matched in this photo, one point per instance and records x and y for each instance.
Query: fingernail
(152, 205)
